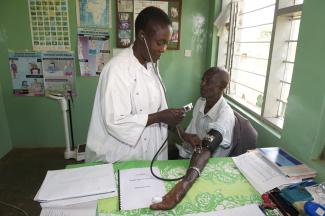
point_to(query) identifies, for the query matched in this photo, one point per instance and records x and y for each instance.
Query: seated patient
(211, 111)
(209, 134)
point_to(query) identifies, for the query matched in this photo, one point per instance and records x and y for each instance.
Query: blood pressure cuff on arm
(212, 140)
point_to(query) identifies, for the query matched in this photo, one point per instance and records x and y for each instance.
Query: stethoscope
(154, 67)
(165, 142)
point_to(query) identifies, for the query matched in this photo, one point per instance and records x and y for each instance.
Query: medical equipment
(188, 107)
(154, 66)
(314, 209)
(70, 152)
(212, 140)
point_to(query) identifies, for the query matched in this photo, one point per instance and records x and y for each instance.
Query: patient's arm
(198, 161)
(177, 193)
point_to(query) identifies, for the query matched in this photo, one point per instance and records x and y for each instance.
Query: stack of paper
(286, 163)
(262, 176)
(81, 209)
(62, 188)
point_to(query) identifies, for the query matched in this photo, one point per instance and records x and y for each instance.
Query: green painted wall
(36, 121)
(305, 120)
(303, 133)
(5, 140)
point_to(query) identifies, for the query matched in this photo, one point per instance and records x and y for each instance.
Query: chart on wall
(124, 23)
(128, 10)
(49, 22)
(26, 73)
(92, 13)
(59, 72)
(93, 52)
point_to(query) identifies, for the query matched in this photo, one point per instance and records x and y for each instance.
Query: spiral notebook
(137, 188)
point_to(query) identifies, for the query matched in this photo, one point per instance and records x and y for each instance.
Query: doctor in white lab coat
(130, 114)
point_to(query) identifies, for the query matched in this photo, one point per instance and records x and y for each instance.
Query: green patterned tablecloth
(220, 186)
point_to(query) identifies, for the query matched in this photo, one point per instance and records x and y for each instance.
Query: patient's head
(213, 82)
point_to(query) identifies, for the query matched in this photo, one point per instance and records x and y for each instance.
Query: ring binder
(118, 190)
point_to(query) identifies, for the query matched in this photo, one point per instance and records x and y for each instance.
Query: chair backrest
(244, 136)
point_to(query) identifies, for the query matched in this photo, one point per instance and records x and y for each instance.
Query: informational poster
(92, 13)
(59, 72)
(139, 5)
(124, 23)
(124, 29)
(125, 6)
(93, 52)
(26, 73)
(128, 10)
(49, 21)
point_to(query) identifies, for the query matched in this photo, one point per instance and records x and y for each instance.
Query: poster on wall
(92, 13)
(139, 5)
(59, 72)
(174, 15)
(26, 73)
(93, 52)
(125, 27)
(170, 7)
(124, 23)
(125, 6)
(49, 22)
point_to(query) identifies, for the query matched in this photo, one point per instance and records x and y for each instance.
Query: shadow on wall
(322, 156)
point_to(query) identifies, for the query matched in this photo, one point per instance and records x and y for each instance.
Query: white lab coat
(126, 93)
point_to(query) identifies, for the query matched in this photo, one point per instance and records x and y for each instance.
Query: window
(258, 48)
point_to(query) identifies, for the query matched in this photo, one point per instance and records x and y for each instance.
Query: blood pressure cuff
(212, 140)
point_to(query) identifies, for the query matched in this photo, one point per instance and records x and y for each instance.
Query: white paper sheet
(65, 202)
(138, 187)
(259, 173)
(77, 182)
(85, 209)
(251, 210)
(318, 193)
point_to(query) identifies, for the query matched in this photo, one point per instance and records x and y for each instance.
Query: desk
(220, 186)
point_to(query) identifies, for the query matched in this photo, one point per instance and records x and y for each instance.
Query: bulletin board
(127, 11)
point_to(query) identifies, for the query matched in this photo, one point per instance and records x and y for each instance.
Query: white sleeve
(116, 107)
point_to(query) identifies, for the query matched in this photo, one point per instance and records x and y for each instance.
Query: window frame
(278, 14)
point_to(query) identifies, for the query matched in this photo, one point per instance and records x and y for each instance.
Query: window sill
(277, 122)
(256, 110)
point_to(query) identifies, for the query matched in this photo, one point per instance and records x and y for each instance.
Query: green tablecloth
(220, 186)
